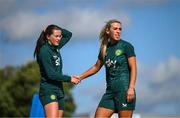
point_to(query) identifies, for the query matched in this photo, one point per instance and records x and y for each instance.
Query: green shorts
(48, 97)
(116, 101)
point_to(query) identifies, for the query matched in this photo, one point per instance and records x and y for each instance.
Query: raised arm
(66, 36)
(94, 69)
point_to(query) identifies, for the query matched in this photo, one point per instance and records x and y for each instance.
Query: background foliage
(18, 84)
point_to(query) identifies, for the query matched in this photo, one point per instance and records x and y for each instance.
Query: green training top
(50, 62)
(116, 64)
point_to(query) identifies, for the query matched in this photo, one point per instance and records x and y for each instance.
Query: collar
(52, 46)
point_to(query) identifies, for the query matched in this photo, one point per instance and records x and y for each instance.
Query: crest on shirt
(53, 97)
(118, 52)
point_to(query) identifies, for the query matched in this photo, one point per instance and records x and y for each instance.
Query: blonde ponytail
(103, 41)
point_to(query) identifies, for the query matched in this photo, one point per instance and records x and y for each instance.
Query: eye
(57, 36)
(118, 28)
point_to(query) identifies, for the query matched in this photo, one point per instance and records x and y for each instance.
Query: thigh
(51, 109)
(125, 114)
(103, 112)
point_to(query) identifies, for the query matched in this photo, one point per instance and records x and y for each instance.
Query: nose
(58, 38)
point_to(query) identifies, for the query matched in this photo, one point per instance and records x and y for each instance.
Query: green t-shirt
(116, 64)
(50, 63)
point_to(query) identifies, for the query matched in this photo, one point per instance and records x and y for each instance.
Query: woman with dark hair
(47, 53)
(119, 59)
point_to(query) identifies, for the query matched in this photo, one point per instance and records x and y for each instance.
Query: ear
(107, 30)
(48, 36)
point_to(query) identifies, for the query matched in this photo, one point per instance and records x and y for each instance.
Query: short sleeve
(129, 50)
(100, 56)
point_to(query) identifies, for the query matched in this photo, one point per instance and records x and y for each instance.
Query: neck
(113, 41)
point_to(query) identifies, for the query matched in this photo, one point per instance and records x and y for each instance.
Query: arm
(66, 36)
(94, 69)
(133, 74)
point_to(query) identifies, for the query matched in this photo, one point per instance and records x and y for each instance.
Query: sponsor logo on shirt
(57, 60)
(111, 63)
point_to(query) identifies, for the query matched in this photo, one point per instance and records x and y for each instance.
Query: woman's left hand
(130, 94)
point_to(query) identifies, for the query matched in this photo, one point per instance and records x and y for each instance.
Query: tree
(18, 86)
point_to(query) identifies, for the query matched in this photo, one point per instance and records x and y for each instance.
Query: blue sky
(152, 26)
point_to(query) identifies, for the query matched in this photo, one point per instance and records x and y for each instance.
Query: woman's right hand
(75, 79)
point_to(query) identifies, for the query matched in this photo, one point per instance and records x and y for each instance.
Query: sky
(151, 26)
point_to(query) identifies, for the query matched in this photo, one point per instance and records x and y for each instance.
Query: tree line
(18, 84)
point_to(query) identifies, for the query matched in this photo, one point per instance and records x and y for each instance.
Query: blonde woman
(119, 59)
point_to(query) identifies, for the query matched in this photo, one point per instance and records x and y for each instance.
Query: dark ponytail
(40, 42)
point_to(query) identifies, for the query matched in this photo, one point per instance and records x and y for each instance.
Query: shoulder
(44, 50)
(126, 44)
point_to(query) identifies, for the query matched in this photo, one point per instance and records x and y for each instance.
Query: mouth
(117, 36)
(57, 41)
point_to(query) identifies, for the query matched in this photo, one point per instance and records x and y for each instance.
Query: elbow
(51, 77)
(96, 69)
(70, 34)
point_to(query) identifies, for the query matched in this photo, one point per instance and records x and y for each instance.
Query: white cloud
(83, 23)
(167, 71)
(20, 25)
(160, 85)
(22, 21)
(10, 7)
(5, 5)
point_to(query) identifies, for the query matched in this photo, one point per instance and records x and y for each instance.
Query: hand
(130, 94)
(75, 79)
